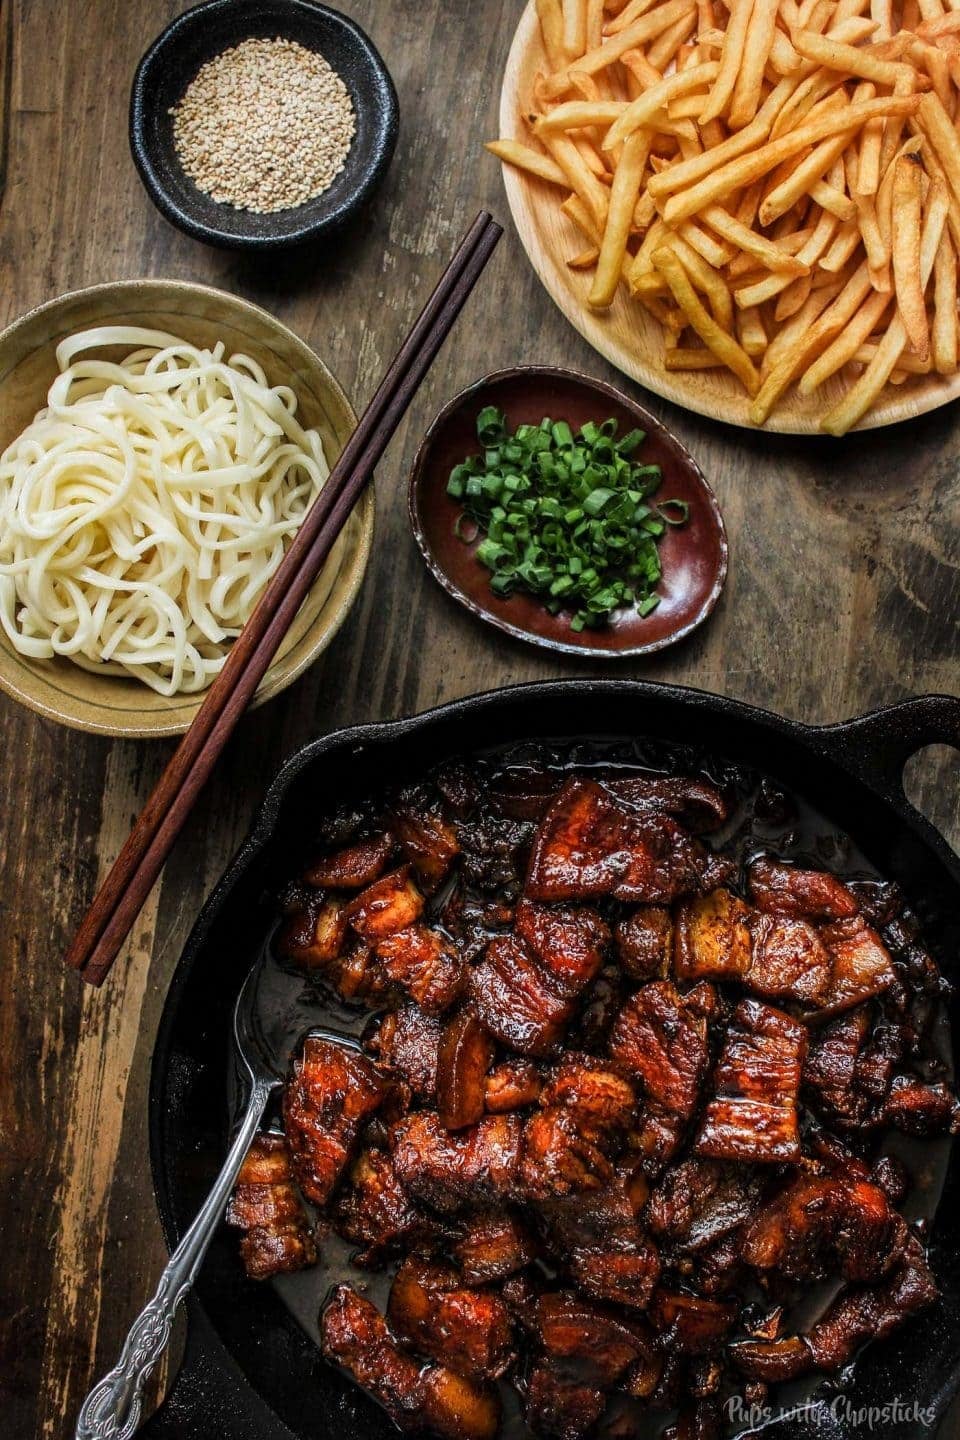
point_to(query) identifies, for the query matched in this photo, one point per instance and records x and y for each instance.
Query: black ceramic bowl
(196, 37)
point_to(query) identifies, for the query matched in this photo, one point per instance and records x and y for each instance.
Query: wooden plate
(694, 555)
(625, 334)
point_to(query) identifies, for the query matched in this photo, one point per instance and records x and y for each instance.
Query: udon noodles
(145, 508)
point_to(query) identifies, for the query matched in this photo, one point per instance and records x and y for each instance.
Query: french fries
(776, 182)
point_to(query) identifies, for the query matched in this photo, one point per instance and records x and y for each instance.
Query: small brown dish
(694, 555)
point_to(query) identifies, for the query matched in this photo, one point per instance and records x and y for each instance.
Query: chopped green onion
(564, 516)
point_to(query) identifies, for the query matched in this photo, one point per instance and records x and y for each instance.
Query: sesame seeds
(264, 126)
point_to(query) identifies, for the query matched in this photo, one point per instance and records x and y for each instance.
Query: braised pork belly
(621, 1097)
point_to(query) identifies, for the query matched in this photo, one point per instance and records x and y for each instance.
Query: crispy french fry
(906, 254)
(580, 177)
(944, 338)
(623, 201)
(685, 358)
(732, 58)
(713, 336)
(747, 90)
(574, 28)
(809, 343)
(511, 152)
(769, 254)
(627, 15)
(737, 173)
(835, 55)
(641, 111)
(864, 391)
(577, 114)
(811, 169)
(828, 197)
(585, 260)
(639, 33)
(753, 337)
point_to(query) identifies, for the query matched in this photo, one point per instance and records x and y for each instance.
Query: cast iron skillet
(249, 1372)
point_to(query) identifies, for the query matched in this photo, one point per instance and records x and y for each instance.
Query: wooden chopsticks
(122, 894)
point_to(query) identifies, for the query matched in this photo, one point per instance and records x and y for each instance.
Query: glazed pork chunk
(661, 1039)
(332, 1093)
(429, 1399)
(524, 989)
(266, 1207)
(454, 1171)
(591, 844)
(464, 1327)
(753, 1115)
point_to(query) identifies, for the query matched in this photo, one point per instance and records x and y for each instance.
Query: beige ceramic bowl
(112, 705)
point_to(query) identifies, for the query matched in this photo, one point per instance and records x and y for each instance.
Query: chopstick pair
(124, 891)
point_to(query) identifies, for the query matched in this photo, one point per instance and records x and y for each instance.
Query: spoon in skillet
(112, 1409)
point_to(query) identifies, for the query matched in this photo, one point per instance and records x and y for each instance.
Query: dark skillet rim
(830, 742)
(519, 632)
(382, 102)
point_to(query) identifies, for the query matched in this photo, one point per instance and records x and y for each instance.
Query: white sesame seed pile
(264, 126)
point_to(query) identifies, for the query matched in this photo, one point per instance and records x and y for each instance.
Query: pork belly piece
(624, 1273)
(469, 1330)
(921, 1109)
(560, 1156)
(373, 1210)
(820, 1224)
(588, 1342)
(408, 1042)
(266, 1206)
(391, 903)
(593, 1091)
(314, 936)
(698, 1202)
(695, 1325)
(590, 844)
(327, 1100)
(427, 839)
(595, 1237)
(514, 999)
(353, 867)
(783, 889)
(753, 1115)
(788, 960)
(712, 938)
(698, 804)
(645, 942)
(659, 1039)
(433, 1399)
(450, 1172)
(568, 943)
(495, 1244)
(424, 964)
(830, 1070)
(861, 1314)
(464, 1057)
(861, 963)
(560, 1409)
(786, 1358)
(512, 1085)
(356, 974)
(587, 1109)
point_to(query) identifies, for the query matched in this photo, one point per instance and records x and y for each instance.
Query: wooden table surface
(843, 595)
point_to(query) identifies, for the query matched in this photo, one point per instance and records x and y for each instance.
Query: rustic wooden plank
(844, 592)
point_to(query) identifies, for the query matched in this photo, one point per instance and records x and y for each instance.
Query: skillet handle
(877, 746)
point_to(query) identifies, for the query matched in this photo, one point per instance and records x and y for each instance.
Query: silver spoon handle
(112, 1409)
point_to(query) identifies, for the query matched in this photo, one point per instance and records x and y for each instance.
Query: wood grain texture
(626, 334)
(843, 595)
